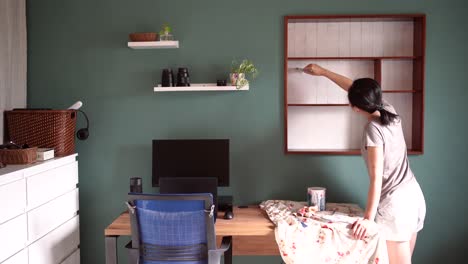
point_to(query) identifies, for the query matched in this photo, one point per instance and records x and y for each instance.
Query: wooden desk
(251, 230)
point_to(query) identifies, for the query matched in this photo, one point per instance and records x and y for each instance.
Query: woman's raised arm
(342, 81)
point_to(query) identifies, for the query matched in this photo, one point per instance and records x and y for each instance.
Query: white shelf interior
(353, 38)
(403, 104)
(324, 127)
(199, 87)
(154, 44)
(397, 75)
(339, 127)
(307, 89)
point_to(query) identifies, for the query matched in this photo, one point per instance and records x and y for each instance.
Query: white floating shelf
(199, 87)
(154, 44)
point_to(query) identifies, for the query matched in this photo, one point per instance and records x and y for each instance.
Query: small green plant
(239, 72)
(166, 29)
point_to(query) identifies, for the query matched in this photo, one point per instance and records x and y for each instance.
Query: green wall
(77, 51)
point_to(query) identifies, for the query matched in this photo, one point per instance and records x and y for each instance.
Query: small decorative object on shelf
(146, 36)
(221, 83)
(183, 78)
(165, 33)
(239, 72)
(136, 185)
(45, 154)
(167, 79)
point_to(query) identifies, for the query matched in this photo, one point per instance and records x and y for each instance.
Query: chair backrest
(180, 185)
(172, 228)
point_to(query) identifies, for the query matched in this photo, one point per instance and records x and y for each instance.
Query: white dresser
(39, 222)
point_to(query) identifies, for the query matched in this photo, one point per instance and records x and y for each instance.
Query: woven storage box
(43, 128)
(18, 156)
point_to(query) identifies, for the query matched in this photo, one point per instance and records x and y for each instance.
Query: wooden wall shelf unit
(153, 44)
(388, 48)
(200, 87)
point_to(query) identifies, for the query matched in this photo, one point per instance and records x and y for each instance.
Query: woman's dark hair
(366, 95)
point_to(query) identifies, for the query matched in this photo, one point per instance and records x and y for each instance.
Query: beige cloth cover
(323, 237)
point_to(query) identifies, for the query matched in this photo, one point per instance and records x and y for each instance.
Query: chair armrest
(214, 255)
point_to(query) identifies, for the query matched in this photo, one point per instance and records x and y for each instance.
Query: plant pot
(238, 80)
(166, 37)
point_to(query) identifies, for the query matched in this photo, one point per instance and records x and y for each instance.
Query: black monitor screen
(191, 158)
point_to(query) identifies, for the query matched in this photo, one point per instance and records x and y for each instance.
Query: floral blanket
(305, 236)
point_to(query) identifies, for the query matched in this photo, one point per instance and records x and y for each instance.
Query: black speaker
(136, 185)
(83, 133)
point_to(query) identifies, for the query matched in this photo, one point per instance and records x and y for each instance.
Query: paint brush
(297, 69)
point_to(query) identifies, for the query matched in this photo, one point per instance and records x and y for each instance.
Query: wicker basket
(18, 156)
(145, 36)
(43, 128)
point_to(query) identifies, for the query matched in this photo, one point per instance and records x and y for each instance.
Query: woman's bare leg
(399, 252)
(413, 242)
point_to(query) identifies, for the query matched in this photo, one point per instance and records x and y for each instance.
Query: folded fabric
(307, 236)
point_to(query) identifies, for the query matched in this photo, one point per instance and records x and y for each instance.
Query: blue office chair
(175, 229)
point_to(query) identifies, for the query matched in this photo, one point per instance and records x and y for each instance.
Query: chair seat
(133, 255)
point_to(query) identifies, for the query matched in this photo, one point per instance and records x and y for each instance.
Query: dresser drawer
(49, 216)
(13, 236)
(47, 185)
(73, 258)
(7, 177)
(13, 200)
(20, 258)
(58, 245)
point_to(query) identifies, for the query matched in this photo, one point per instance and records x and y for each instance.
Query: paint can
(316, 197)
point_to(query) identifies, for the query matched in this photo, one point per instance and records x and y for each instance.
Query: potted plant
(165, 33)
(239, 72)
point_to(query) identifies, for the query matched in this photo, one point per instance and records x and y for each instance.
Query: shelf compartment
(325, 151)
(403, 104)
(400, 91)
(307, 89)
(321, 128)
(350, 38)
(339, 152)
(199, 87)
(356, 58)
(153, 44)
(397, 75)
(318, 104)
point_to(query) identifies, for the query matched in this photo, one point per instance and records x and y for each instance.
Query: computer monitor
(191, 158)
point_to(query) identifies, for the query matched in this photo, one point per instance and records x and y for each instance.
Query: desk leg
(111, 250)
(228, 253)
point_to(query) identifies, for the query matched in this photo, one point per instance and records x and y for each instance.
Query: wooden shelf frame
(400, 91)
(356, 58)
(340, 152)
(416, 60)
(318, 104)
